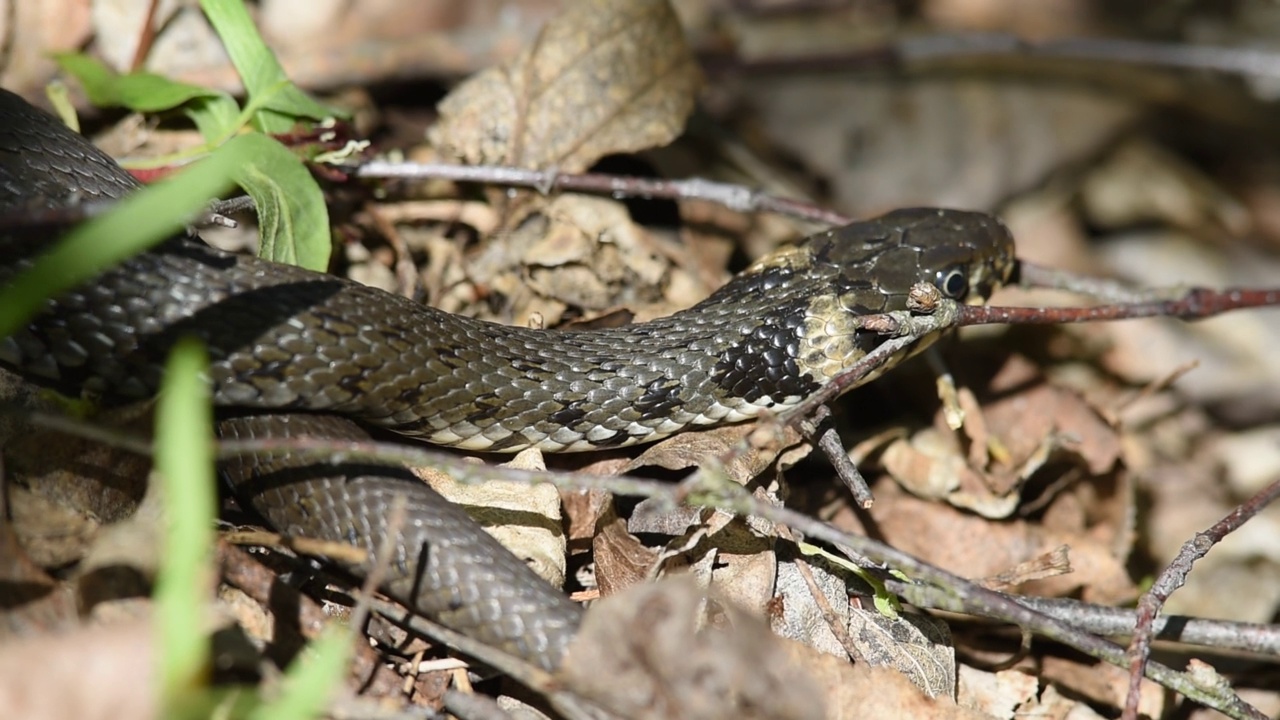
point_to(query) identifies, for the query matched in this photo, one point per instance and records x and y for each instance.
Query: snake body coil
(295, 352)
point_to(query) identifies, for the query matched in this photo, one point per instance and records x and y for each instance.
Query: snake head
(966, 255)
(969, 254)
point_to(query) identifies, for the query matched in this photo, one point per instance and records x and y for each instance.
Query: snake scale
(297, 353)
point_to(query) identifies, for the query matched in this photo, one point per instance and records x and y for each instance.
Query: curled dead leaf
(621, 559)
(1030, 422)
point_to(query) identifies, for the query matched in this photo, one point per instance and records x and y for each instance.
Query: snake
(296, 353)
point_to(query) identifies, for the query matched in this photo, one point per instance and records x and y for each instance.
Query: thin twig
(977, 600)
(147, 36)
(1258, 639)
(829, 616)
(943, 47)
(734, 197)
(1194, 304)
(818, 429)
(1172, 578)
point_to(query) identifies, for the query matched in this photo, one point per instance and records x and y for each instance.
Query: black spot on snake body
(763, 364)
(619, 437)
(569, 416)
(761, 281)
(660, 399)
(486, 408)
(408, 396)
(510, 441)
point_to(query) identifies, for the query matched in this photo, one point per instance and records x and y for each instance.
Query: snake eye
(953, 282)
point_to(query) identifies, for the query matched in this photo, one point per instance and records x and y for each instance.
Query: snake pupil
(953, 282)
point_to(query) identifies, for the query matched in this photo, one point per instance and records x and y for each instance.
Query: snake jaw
(831, 340)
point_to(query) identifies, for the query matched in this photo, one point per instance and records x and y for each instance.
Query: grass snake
(297, 353)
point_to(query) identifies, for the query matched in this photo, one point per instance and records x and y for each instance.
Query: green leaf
(214, 113)
(59, 98)
(138, 222)
(293, 220)
(141, 91)
(885, 602)
(277, 101)
(215, 117)
(184, 465)
(98, 81)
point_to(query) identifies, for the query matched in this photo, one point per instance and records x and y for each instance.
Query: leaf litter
(1038, 469)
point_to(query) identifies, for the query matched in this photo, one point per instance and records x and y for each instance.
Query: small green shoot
(295, 220)
(277, 101)
(886, 603)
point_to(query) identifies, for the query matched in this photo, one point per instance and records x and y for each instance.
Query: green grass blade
(184, 465)
(140, 221)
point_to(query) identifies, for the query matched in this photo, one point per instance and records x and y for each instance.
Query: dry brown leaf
(49, 533)
(594, 256)
(1101, 683)
(998, 695)
(1235, 353)
(1051, 564)
(1030, 421)
(641, 655)
(33, 602)
(975, 547)
(605, 76)
(1143, 183)
(796, 613)
(694, 448)
(1187, 495)
(524, 518)
(584, 510)
(950, 143)
(927, 464)
(736, 559)
(32, 31)
(123, 552)
(918, 646)
(724, 551)
(98, 673)
(621, 559)
(578, 251)
(1053, 704)
(856, 691)
(445, 275)
(1028, 409)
